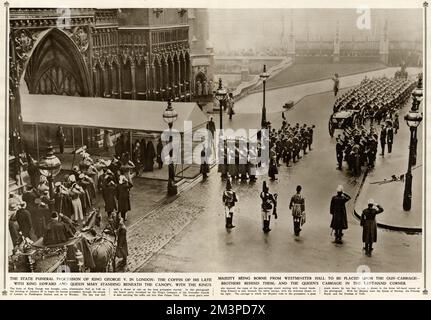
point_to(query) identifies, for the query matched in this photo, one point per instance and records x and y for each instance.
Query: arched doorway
(200, 80)
(55, 66)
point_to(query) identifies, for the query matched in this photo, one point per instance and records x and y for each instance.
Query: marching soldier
(390, 136)
(297, 205)
(383, 139)
(229, 200)
(269, 202)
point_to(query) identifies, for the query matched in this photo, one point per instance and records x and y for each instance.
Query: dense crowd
(73, 197)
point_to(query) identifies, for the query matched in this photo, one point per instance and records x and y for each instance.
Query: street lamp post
(264, 76)
(417, 96)
(413, 120)
(220, 95)
(170, 116)
(49, 167)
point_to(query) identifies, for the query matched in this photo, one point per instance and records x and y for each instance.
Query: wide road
(205, 246)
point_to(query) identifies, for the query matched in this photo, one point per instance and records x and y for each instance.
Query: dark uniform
(390, 138)
(339, 148)
(369, 226)
(339, 214)
(383, 139)
(297, 205)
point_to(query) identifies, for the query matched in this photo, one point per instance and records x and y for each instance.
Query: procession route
(188, 234)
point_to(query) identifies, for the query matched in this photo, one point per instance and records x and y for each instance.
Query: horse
(103, 250)
(102, 245)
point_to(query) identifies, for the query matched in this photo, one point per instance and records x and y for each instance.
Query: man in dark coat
(383, 139)
(390, 137)
(336, 84)
(369, 225)
(122, 247)
(149, 157)
(61, 138)
(56, 231)
(204, 167)
(109, 190)
(339, 149)
(159, 153)
(23, 217)
(38, 217)
(339, 214)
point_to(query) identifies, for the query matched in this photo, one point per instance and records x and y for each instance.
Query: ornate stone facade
(112, 53)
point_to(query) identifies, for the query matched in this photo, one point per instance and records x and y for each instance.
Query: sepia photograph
(175, 140)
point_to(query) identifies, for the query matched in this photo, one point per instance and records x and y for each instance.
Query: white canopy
(104, 113)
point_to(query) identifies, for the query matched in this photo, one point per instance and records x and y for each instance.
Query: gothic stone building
(142, 54)
(139, 54)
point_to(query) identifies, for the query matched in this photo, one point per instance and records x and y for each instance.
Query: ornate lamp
(49, 166)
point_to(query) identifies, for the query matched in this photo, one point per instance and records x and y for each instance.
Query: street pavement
(395, 163)
(188, 234)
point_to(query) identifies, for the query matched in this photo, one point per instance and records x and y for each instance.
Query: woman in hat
(269, 202)
(124, 187)
(369, 225)
(43, 185)
(75, 193)
(13, 224)
(64, 202)
(297, 205)
(229, 200)
(339, 213)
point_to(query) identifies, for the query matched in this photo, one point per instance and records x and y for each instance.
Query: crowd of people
(55, 212)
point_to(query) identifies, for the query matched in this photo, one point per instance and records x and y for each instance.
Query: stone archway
(54, 65)
(57, 67)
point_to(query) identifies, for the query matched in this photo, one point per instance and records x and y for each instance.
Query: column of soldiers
(377, 98)
(358, 147)
(286, 145)
(288, 142)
